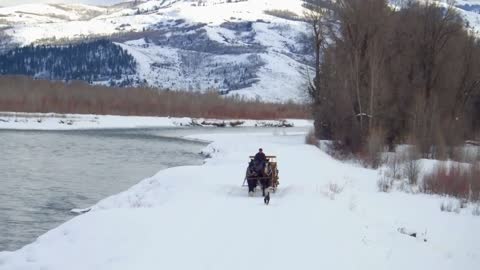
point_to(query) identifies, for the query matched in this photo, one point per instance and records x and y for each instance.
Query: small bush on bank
(394, 163)
(452, 180)
(450, 206)
(476, 210)
(412, 165)
(311, 139)
(335, 188)
(332, 190)
(384, 183)
(374, 148)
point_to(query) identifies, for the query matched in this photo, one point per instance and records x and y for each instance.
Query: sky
(19, 2)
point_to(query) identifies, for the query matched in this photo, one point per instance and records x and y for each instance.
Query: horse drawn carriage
(261, 174)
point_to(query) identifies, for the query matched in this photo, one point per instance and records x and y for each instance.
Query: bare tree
(380, 71)
(316, 16)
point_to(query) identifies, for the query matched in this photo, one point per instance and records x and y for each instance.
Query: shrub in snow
(412, 166)
(450, 206)
(403, 167)
(475, 182)
(463, 203)
(326, 146)
(193, 123)
(405, 186)
(236, 123)
(468, 153)
(476, 210)
(209, 151)
(394, 165)
(384, 183)
(374, 148)
(458, 180)
(333, 190)
(412, 170)
(214, 123)
(311, 139)
(450, 180)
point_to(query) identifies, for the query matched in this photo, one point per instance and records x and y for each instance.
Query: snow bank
(52, 121)
(325, 215)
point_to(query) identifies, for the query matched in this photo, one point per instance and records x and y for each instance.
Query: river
(44, 174)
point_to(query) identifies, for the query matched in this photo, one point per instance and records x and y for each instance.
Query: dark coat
(260, 156)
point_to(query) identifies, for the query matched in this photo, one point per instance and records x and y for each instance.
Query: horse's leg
(251, 185)
(263, 187)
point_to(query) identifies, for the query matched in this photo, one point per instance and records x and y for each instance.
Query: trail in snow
(199, 217)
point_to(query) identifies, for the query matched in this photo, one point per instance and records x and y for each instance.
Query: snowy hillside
(88, 2)
(470, 9)
(325, 215)
(43, 13)
(230, 46)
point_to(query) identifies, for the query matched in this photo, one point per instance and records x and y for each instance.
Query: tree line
(387, 75)
(25, 94)
(99, 60)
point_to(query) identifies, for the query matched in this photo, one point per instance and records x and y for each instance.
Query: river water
(43, 175)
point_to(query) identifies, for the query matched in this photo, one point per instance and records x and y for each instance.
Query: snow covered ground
(52, 121)
(325, 215)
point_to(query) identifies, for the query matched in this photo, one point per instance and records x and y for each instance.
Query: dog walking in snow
(266, 199)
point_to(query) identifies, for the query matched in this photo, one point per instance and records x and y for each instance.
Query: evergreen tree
(89, 61)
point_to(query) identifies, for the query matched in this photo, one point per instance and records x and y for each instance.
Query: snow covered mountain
(88, 2)
(255, 48)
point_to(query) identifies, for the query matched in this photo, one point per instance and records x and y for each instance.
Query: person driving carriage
(260, 156)
(256, 168)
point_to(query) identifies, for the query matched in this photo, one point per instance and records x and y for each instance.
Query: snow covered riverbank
(325, 215)
(52, 121)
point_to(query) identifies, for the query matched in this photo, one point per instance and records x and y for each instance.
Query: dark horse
(258, 172)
